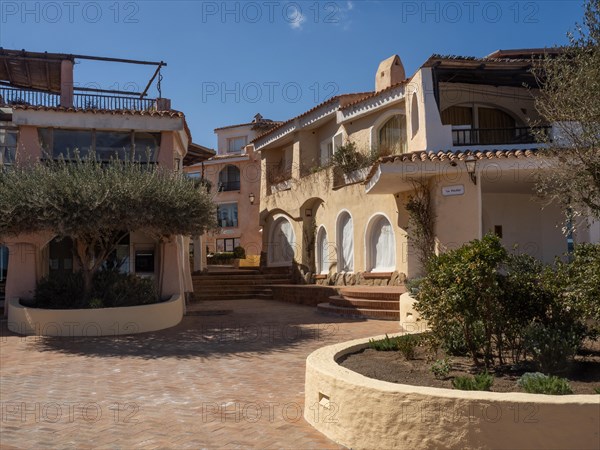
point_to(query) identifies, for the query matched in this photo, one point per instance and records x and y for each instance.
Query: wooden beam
(120, 60)
(143, 94)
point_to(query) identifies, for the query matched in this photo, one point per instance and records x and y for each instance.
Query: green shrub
(386, 344)
(221, 258)
(480, 382)
(441, 368)
(239, 253)
(462, 287)
(554, 345)
(597, 390)
(60, 291)
(407, 345)
(413, 285)
(110, 289)
(538, 383)
(348, 158)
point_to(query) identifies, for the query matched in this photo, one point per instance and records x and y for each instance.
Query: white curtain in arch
(345, 243)
(322, 251)
(283, 242)
(382, 246)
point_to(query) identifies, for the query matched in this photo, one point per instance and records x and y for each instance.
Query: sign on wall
(447, 191)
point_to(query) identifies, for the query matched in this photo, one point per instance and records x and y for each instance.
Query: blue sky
(229, 60)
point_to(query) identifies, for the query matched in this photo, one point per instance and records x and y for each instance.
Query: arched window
(392, 136)
(282, 242)
(414, 115)
(381, 245)
(345, 242)
(322, 251)
(229, 179)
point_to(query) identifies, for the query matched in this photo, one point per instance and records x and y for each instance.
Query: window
(345, 242)
(229, 179)
(8, 144)
(381, 245)
(328, 148)
(144, 261)
(106, 144)
(227, 215)
(3, 263)
(236, 144)
(414, 115)
(227, 245)
(392, 136)
(60, 253)
(194, 175)
(119, 258)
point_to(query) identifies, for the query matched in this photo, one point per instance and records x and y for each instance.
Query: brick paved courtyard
(215, 381)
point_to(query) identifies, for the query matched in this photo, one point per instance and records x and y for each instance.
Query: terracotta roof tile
(124, 112)
(320, 105)
(452, 155)
(374, 94)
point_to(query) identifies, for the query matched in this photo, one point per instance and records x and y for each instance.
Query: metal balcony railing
(15, 96)
(498, 136)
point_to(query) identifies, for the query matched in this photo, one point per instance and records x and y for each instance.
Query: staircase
(238, 284)
(365, 302)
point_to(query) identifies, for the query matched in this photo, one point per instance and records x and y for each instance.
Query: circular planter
(363, 413)
(94, 322)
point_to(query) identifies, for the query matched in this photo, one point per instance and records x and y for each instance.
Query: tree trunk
(88, 277)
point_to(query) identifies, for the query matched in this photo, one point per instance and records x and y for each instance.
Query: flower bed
(361, 412)
(94, 322)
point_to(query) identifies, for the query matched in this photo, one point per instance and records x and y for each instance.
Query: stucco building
(233, 175)
(42, 115)
(459, 126)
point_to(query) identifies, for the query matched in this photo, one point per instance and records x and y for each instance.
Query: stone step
(344, 302)
(231, 287)
(359, 313)
(274, 276)
(373, 292)
(225, 296)
(252, 282)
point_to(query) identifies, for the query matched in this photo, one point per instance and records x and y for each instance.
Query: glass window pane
(113, 144)
(146, 146)
(67, 143)
(227, 215)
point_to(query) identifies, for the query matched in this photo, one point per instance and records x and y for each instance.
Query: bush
(538, 383)
(413, 285)
(597, 390)
(441, 368)
(386, 344)
(554, 345)
(480, 382)
(60, 291)
(462, 288)
(110, 289)
(239, 253)
(221, 258)
(407, 345)
(349, 159)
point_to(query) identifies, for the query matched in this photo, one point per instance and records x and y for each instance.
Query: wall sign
(459, 189)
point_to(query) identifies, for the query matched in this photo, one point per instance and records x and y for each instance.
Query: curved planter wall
(94, 322)
(363, 413)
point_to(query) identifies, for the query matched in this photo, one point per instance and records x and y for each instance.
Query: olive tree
(96, 204)
(570, 99)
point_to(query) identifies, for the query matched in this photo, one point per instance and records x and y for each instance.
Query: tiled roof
(374, 94)
(124, 112)
(320, 105)
(452, 155)
(264, 122)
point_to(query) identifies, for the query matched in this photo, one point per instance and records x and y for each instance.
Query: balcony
(91, 100)
(498, 136)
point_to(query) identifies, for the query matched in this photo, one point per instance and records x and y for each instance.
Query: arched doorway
(322, 251)
(345, 242)
(282, 243)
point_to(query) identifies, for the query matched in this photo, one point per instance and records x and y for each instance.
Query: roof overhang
(40, 71)
(196, 154)
(367, 106)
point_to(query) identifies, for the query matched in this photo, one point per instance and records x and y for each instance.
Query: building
(43, 114)
(459, 127)
(233, 175)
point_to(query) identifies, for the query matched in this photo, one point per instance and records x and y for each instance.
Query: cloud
(349, 6)
(296, 24)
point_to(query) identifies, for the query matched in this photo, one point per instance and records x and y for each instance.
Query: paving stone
(197, 385)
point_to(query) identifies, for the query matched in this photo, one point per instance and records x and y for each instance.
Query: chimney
(390, 72)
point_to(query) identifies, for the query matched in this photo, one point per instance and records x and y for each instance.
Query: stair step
(373, 292)
(217, 297)
(360, 313)
(256, 282)
(338, 300)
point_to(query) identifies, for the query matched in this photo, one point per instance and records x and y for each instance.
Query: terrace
(46, 80)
